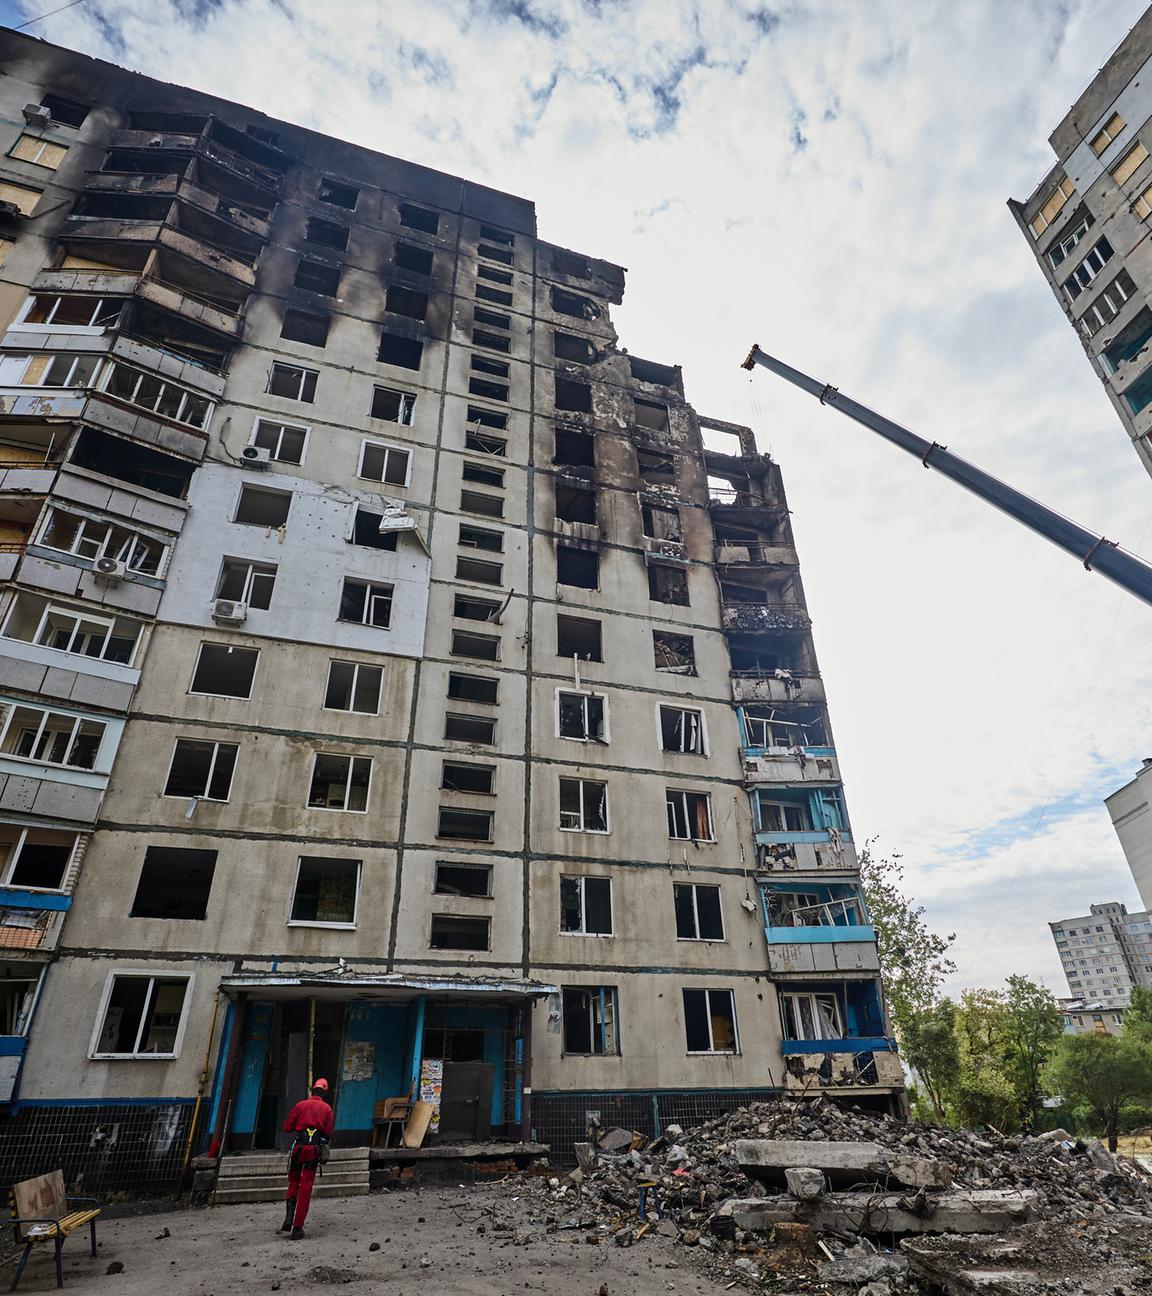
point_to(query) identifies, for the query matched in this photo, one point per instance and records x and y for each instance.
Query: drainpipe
(231, 1075)
(202, 1085)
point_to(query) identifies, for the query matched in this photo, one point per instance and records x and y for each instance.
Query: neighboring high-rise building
(1105, 953)
(1088, 221)
(1132, 819)
(396, 686)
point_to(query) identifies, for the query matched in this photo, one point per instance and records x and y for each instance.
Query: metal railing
(818, 915)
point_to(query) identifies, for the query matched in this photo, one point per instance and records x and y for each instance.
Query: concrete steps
(263, 1176)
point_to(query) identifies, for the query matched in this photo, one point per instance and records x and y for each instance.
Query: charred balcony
(256, 163)
(764, 615)
(178, 185)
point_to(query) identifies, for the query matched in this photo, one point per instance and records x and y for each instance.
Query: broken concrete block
(862, 1265)
(804, 1182)
(1099, 1155)
(986, 1210)
(842, 1164)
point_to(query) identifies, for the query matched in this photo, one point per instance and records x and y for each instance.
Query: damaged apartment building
(400, 682)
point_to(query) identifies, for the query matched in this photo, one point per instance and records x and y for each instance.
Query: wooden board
(418, 1124)
(41, 1198)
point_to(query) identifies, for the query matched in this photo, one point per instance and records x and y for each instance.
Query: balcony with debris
(767, 606)
(814, 926)
(786, 743)
(833, 1035)
(800, 829)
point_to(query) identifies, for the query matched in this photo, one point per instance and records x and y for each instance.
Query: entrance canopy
(396, 987)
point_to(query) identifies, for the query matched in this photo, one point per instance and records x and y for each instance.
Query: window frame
(702, 730)
(325, 924)
(10, 865)
(582, 828)
(129, 548)
(281, 426)
(585, 696)
(407, 411)
(722, 939)
(1108, 134)
(604, 995)
(45, 144)
(102, 381)
(389, 448)
(80, 616)
(351, 758)
(305, 374)
(373, 590)
(683, 793)
(253, 570)
(20, 323)
(189, 979)
(202, 796)
(713, 1051)
(215, 643)
(813, 997)
(44, 731)
(356, 667)
(581, 879)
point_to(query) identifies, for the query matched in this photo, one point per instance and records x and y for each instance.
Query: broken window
(1088, 269)
(473, 688)
(284, 442)
(262, 135)
(497, 368)
(315, 276)
(698, 915)
(1059, 251)
(366, 603)
(785, 726)
(385, 463)
(478, 502)
(53, 737)
(583, 806)
(496, 295)
(338, 194)
(570, 263)
(481, 538)
(174, 883)
(475, 569)
(464, 825)
(457, 776)
(494, 235)
(501, 254)
(483, 443)
(463, 879)
(259, 506)
(35, 857)
(586, 906)
(326, 891)
(489, 390)
(68, 312)
(40, 152)
(250, 583)
(223, 670)
(419, 218)
(494, 341)
(340, 783)
(301, 326)
(810, 1017)
(650, 414)
(1123, 170)
(142, 1017)
(1129, 342)
(366, 530)
(408, 302)
(589, 1015)
(150, 393)
(662, 523)
(477, 415)
(689, 815)
(575, 504)
(575, 396)
(710, 1021)
(566, 303)
(578, 350)
(578, 567)
(67, 112)
(1111, 299)
(578, 637)
(682, 730)
(575, 449)
(394, 406)
(667, 584)
(474, 609)
(47, 370)
(581, 716)
(453, 933)
(88, 538)
(22, 197)
(493, 319)
(326, 233)
(418, 260)
(292, 382)
(483, 475)
(71, 630)
(404, 353)
(774, 814)
(497, 276)
(469, 728)
(201, 769)
(467, 644)
(658, 469)
(353, 686)
(657, 375)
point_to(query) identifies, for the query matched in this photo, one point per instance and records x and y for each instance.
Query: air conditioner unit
(256, 456)
(109, 570)
(37, 115)
(229, 612)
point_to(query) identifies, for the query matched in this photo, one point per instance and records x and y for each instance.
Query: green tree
(1138, 1015)
(1102, 1073)
(1034, 1026)
(984, 1092)
(932, 1049)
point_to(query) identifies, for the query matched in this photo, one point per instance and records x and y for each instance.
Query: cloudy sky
(828, 179)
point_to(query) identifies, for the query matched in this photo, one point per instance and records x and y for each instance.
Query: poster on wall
(431, 1080)
(359, 1060)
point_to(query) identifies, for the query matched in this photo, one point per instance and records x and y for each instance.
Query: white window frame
(78, 615)
(281, 424)
(582, 930)
(684, 793)
(21, 325)
(151, 975)
(317, 922)
(702, 730)
(791, 999)
(389, 447)
(231, 697)
(186, 396)
(356, 666)
(1068, 244)
(45, 144)
(13, 860)
(303, 370)
(202, 796)
(605, 995)
(698, 939)
(376, 589)
(46, 714)
(805, 811)
(584, 783)
(585, 695)
(1088, 269)
(250, 574)
(92, 381)
(351, 759)
(407, 405)
(734, 1051)
(126, 553)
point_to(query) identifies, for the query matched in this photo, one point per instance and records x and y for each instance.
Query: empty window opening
(1111, 299)
(111, 639)
(385, 463)
(494, 235)
(473, 688)
(483, 364)
(143, 1017)
(658, 469)
(1088, 269)
(578, 567)
(483, 475)
(566, 303)
(259, 506)
(484, 443)
(250, 583)
(497, 276)
(1129, 342)
(698, 915)
(53, 737)
(366, 531)
(474, 609)
(68, 311)
(418, 260)
(292, 382)
(574, 449)
(302, 326)
(501, 254)
(586, 906)
(392, 405)
(489, 390)
(477, 415)
(668, 584)
(475, 569)
(457, 776)
(40, 152)
(419, 218)
(467, 644)
(578, 637)
(496, 295)
(365, 603)
(577, 350)
(581, 717)
(464, 825)
(469, 729)
(326, 233)
(481, 538)
(406, 301)
(405, 353)
(463, 879)
(326, 891)
(90, 539)
(174, 883)
(658, 375)
(650, 414)
(284, 442)
(353, 686)
(478, 502)
(570, 263)
(339, 195)
(65, 111)
(662, 523)
(689, 815)
(223, 670)
(810, 1017)
(575, 504)
(315, 276)
(35, 857)
(452, 933)
(575, 396)
(340, 783)
(682, 730)
(710, 1021)
(785, 727)
(589, 1016)
(583, 806)
(262, 135)
(493, 319)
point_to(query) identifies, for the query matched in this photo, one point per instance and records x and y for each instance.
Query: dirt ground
(477, 1241)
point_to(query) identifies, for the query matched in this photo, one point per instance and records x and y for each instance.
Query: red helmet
(321, 1084)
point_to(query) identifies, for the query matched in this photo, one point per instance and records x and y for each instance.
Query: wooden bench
(43, 1212)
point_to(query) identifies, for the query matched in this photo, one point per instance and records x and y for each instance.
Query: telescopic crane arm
(1094, 551)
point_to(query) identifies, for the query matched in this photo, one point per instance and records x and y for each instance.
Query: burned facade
(1087, 225)
(401, 682)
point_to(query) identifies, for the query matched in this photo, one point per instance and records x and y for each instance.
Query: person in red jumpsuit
(311, 1120)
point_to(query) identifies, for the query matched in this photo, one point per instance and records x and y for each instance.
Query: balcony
(161, 141)
(829, 1017)
(775, 765)
(30, 922)
(761, 617)
(767, 686)
(190, 306)
(802, 853)
(187, 191)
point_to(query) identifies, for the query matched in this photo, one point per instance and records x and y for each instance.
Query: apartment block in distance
(1088, 221)
(1131, 817)
(1104, 954)
(401, 683)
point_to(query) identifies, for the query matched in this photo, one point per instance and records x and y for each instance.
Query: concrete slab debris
(988, 1210)
(843, 1164)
